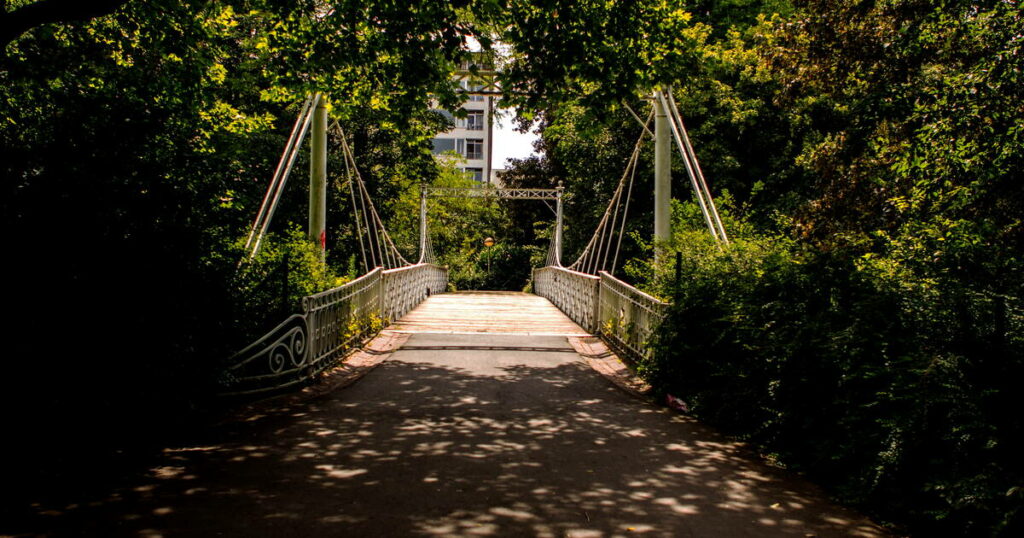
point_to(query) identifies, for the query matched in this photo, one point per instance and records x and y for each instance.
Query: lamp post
(489, 242)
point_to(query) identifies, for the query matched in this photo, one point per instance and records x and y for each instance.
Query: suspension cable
(625, 213)
(278, 189)
(696, 164)
(389, 256)
(352, 193)
(371, 240)
(594, 257)
(689, 166)
(271, 188)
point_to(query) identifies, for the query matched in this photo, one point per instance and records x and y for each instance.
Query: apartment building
(472, 137)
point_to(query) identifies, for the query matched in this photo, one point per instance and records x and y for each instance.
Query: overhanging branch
(14, 24)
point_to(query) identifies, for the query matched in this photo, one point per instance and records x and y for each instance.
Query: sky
(509, 144)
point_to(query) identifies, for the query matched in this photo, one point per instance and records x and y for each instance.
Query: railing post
(558, 224)
(284, 284)
(382, 297)
(423, 223)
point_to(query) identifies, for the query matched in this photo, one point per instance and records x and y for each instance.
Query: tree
(22, 17)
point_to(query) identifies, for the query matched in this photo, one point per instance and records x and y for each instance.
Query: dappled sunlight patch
(282, 515)
(677, 507)
(461, 522)
(737, 491)
(675, 469)
(583, 533)
(641, 495)
(540, 452)
(432, 449)
(339, 518)
(331, 471)
(363, 453)
(189, 449)
(636, 528)
(168, 472)
(520, 513)
(751, 474)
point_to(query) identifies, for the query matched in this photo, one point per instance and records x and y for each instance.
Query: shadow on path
(458, 442)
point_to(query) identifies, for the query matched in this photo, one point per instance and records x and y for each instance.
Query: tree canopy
(865, 327)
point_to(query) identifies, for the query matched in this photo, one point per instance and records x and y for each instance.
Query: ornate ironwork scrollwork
(331, 322)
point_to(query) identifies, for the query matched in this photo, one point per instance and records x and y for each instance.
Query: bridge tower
(318, 176)
(662, 175)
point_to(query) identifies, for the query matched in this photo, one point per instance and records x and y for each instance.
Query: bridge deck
(460, 431)
(494, 312)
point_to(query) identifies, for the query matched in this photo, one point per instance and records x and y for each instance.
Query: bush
(501, 267)
(270, 287)
(899, 395)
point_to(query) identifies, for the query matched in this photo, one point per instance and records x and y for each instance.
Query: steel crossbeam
(500, 192)
(486, 80)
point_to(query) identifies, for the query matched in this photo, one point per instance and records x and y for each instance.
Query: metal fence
(409, 286)
(628, 317)
(331, 323)
(621, 314)
(574, 293)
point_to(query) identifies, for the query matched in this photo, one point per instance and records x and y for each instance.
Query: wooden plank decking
(492, 312)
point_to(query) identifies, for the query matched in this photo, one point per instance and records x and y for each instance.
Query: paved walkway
(460, 435)
(495, 312)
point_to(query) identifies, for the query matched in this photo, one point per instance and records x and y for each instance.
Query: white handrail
(331, 323)
(604, 305)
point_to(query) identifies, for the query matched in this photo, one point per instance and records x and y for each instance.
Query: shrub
(270, 287)
(897, 393)
(500, 267)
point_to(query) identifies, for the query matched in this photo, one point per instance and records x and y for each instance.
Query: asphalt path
(458, 435)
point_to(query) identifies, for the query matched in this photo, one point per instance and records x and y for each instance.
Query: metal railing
(409, 286)
(621, 314)
(628, 317)
(331, 323)
(574, 293)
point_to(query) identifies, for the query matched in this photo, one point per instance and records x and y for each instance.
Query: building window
(442, 145)
(447, 115)
(473, 87)
(474, 148)
(475, 120)
(476, 173)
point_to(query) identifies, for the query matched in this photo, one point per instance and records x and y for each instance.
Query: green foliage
(501, 267)
(458, 227)
(896, 393)
(865, 322)
(270, 286)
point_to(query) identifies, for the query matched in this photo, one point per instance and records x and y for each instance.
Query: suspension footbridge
(475, 413)
(586, 291)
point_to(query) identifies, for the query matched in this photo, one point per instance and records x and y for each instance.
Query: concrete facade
(472, 138)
